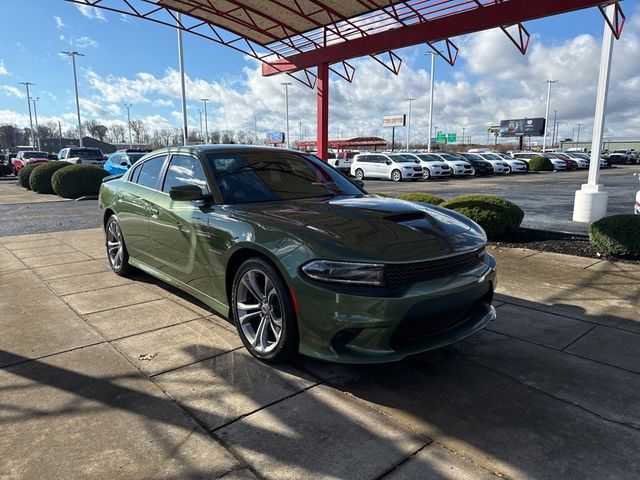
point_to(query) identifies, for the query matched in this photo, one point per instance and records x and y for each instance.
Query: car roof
(225, 148)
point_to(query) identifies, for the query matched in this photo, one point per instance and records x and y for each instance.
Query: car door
(179, 229)
(134, 206)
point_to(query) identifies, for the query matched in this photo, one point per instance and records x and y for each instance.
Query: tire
(117, 254)
(426, 174)
(273, 310)
(509, 170)
(359, 174)
(396, 176)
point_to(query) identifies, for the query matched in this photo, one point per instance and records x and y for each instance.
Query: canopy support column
(323, 110)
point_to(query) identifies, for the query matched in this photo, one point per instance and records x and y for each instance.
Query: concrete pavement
(105, 377)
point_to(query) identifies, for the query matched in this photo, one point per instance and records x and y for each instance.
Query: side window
(150, 172)
(185, 170)
(133, 176)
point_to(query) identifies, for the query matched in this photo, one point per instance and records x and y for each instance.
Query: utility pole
(286, 106)
(555, 128)
(60, 132)
(546, 115)
(33, 138)
(73, 56)
(185, 131)
(409, 99)
(35, 114)
(255, 127)
(578, 138)
(433, 66)
(463, 130)
(300, 125)
(206, 121)
(201, 131)
(128, 106)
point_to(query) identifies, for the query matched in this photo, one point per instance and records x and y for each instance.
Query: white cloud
(91, 12)
(160, 102)
(59, 22)
(94, 110)
(3, 69)
(84, 42)
(12, 91)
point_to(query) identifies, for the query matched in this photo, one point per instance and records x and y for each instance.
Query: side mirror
(185, 193)
(358, 183)
(417, 161)
(389, 162)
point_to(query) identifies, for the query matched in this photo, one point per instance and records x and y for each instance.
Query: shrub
(40, 179)
(25, 173)
(616, 235)
(540, 164)
(494, 214)
(421, 198)
(78, 180)
(5, 170)
(380, 194)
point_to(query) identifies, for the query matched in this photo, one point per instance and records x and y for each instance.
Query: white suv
(459, 168)
(498, 164)
(84, 155)
(432, 166)
(379, 165)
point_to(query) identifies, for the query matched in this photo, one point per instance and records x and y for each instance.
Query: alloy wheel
(115, 245)
(396, 176)
(359, 174)
(426, 174)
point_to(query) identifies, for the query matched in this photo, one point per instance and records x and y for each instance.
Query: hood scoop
(406, 217)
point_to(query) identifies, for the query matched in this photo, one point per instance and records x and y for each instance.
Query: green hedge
(40, 179)
(494, 214)
(25, 173)
(380, 194)
(78, 180)
(616, 235)
(541, 164)
(421, 198)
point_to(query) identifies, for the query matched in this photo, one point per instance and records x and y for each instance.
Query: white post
(35, 114)
(185, 132)
(591, 200)
(546, 115)
(409, 122)
(286, 106)
(128, 105)
(433, 66)
(206, 121)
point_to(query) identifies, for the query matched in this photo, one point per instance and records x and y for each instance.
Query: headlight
(345, 272)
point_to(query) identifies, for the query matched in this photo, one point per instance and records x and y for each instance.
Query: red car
(571, 164)
(25, 158)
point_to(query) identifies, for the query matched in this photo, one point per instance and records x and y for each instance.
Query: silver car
(386, 166)
(459, 168)
(432, 166)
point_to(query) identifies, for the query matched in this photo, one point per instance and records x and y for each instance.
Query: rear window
(85, 153)
(34, 155)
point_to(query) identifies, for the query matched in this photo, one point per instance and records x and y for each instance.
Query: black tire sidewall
(289, 339)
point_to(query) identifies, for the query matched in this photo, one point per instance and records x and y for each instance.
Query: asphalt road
(546, 197)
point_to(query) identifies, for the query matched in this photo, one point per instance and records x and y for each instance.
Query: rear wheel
(263, 312)
(359, 174)
(396, 175)
(116, 248)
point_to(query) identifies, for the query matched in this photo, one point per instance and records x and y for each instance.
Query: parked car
(119, 162)
(636, 208)
(603, 162)
(517, 166)
(459, 166)
(619, 159)
(578, 158)
(432, 165)
(84, 155)
(380, 165)
(569, 163)
(342, 161)
(498, 164)
(479, 165)
(298, 256)
(628, 155)
(526, 156)
(24, 158)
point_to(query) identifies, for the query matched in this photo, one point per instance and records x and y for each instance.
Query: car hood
(368, 228)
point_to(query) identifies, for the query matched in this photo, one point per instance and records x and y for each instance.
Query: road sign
(394, 120)
(441, 137)
(452, 138)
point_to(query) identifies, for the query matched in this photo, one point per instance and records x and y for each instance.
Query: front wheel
(116, 248)
(396, 176)
(508, 169)
(426, 174)
(359, 174)
(263, 312)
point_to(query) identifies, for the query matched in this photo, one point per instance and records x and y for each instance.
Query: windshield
(34, 155)
(85, 153)
(429, 158)
(134, 157)
(491, 156)
(270, 177)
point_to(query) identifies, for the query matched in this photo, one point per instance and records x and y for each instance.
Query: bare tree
(215, 136)
(117, 133)
(227, 136)
(139, 130)
(9, 136)
(96, 130)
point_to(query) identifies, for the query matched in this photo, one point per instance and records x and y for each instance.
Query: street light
(201, 131)
(546, 115)
(463, 130)
(73, 56)
(578, 137)
(555, 128)
(206, 121)
(26, 84)
(185, 129)
(409, 99)
(433, 66)
(35, 114)
(129, 105)
(286, 103)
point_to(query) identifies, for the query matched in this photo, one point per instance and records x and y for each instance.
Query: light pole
(185, 131)
(201, 131)
(555, 128)
(206, 121)
(33, 138)
(463, 130)
(433, 66)
(409, 99)
(35, 114)
(578, 137)
(73, 56)
(546, 115)
(255, 127)
(300, 125)
(129, 105)
(286, 106)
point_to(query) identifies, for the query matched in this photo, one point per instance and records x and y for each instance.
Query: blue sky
(119, 49)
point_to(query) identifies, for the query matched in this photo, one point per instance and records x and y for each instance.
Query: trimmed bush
(25, 173)
(541, 164)
(421, 198)
(616, 235)
(78, 180)
(40, 179)
(380, 194)
(495, 215)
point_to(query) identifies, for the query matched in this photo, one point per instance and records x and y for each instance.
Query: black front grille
(397, 275)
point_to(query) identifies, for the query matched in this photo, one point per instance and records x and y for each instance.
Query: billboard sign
(275, 137)
(394, 120)
(530, 127)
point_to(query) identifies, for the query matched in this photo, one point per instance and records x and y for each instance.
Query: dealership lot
(121, 378)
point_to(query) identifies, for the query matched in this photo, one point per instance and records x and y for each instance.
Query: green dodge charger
(297, 255)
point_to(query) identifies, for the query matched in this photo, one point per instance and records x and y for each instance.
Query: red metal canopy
(341, 144)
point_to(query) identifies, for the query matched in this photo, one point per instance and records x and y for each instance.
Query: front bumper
(462, 171)
(372, 328)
